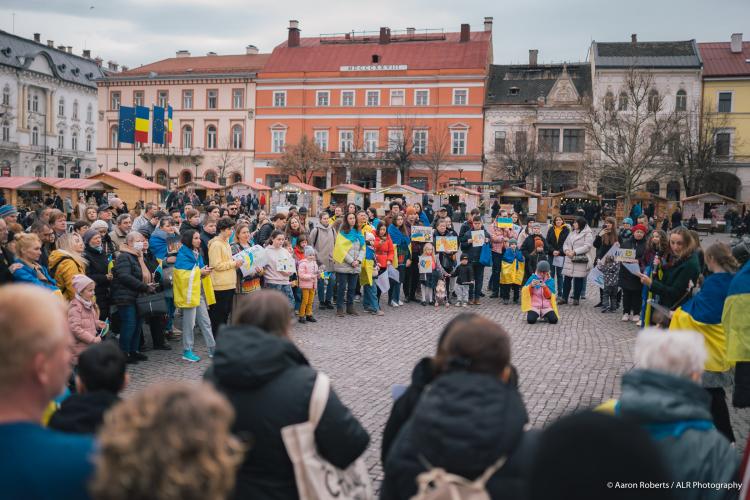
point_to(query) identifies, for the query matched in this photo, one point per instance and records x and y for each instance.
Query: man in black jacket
(6, 258)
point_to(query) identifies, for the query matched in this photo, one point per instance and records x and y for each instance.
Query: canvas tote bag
(316, 478)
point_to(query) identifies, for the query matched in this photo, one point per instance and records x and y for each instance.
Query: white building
(48, 109)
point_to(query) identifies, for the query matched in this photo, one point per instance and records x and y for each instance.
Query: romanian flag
(736, 316)
(157, 129)
(169, 124)
(141, 124)
(126, 125)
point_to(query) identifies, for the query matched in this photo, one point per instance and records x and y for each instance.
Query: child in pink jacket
(83, 316)
(307, 274)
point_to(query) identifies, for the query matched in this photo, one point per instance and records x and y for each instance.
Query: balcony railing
(376, 159)
(159, 151)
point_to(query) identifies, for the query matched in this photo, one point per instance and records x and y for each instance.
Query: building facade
(534, 126)
(726, 99)
(213, 101)
(387, 107)
(48, 109)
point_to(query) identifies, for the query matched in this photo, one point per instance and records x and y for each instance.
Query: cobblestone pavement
(566, 367)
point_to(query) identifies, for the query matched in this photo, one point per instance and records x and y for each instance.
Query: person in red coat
(384, 250)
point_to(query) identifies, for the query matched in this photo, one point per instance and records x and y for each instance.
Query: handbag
(580, 259)
(316, 478)
(151, 304)
(485, 257)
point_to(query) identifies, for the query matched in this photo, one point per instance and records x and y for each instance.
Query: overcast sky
(135, 32)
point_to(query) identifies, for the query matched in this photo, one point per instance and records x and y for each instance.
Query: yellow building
(726, 95)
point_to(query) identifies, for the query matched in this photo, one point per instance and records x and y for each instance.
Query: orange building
(387, 108)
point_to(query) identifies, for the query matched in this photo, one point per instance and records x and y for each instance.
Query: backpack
(439, 484)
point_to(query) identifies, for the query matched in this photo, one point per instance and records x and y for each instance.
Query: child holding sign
(430, 271)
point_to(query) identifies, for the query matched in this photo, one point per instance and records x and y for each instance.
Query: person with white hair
(664, 395)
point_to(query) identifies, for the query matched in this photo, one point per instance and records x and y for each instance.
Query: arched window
(187, 136)
(6, 131)
(88, 143)
(75, 110)
(89, 113)
(61, 171)
(35, 103)
(61, 139)
(38, 171)
(185, 177)
(210, 176)
(61, 107)
(622, 102)
(161, 177)
(113, 139)
(673, 190)
(211, 137)
(74, 141)
(609, 101)
(237, 137)
(653, 101)
(6, 95)
(87, 172)
(680, 103)
(35, 136)
(652, 187)
(236, 177)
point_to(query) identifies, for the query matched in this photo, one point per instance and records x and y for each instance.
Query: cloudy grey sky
(135, 32)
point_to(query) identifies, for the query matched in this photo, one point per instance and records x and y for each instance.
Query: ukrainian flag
(736, 316)
(512, 267)
(368, 266)
(186, 280)
(141, 124)
(526, 294)
(344, 242)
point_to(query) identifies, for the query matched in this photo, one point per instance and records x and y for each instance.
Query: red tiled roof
(73, 183)
(718, 59)
(252, 185)
(241, 63)
(131, 179)
(16, 182)
(349, 187)
(311, 55)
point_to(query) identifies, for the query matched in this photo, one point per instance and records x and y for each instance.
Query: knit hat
(81, 281)
(539, 243)
(8, 210)
(542, 266)
(639, 227)
(627, 220)
(309, 251)
(99, 224)
(88, 235)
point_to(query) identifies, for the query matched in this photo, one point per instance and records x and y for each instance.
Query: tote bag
(316, 478)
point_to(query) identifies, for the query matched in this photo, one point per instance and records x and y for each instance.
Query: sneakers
(393, 304)
(626, 317)
(400, 302)
(189, 355)
(635, 318)
(639, 323)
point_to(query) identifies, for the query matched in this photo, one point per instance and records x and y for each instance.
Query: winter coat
(677, 413)
(556, 243)
(224, 275)
(447, 259)
(464, 423)
(82, 321)
(158, 243)
(27, 274)
(322, 240)
(355, 252)
(307, 274)
(628, 280)
(672, 288)
(263, 234)
(602, 248)
(127, 283)
(63, 267)
(83, 413)
(97, 270)
(582, 243)
(497, 237)
(186, 226)
(384, 251)
(6, 259)
(117, 238)
(464, 274)
(541, 299)
(473, 252)
(205, 239)
(269, 383)
(531, 258)
(611, 272)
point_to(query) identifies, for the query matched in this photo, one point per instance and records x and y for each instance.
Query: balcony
(170, 151)
(362, 159)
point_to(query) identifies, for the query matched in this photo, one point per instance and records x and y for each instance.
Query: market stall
(702, 204)
(345, 193)
(381, 198)
(131, 188)
(567, 203)
(204, 189)
(76, 187)
(296, 194)
(521, 200)
(662, 206)
(23, 192)
(261, 191)
(458, 195)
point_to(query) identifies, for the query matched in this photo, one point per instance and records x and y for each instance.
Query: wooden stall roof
(77, 184)
(720, 197)
(462, 189)
(302, 186)
(21, 183)
(400, 188)
(202, 185)
(345, 188)
(517, 191)
(643, 195)
(576, 193)
(131, 179)
(252, 185)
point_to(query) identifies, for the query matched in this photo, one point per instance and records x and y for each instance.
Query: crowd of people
(114, 278)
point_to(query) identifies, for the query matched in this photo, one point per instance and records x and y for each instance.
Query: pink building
(213, 98)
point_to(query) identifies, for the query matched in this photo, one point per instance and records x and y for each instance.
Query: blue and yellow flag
(344, 242)
(526, 304)
(512, 267)
(157, 128)
(141, 124)
(736, 316)
(126, 125)
(504, 222)
(187, 281)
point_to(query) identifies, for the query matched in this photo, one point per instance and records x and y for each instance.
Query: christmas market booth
(567, 203)
(457, 195)
(76, 187)
(662, 206)
(296, 194)
(204, 189)
(344, 194)
(702, 204)
(131, 188)
(381, 197)
(260, 191)
(521, 200)
(24, 191)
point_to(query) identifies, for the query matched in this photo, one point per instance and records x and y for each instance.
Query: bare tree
(437, 153)
(520, 159)
(401, 145)
(227, 160)
(302, 160)
(631, 132)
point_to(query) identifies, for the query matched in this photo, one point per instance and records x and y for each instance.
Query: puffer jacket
(383, 251)
(497, 238)
(322, 240)
(307, 273)
(65, 267)
(269, 383)
(224, 274)
(677, 413)
(464, 422)
(582, 243)
(127, 282)
(97, 270)
(82, 320)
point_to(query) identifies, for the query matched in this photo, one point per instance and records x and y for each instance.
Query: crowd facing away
(265, 424)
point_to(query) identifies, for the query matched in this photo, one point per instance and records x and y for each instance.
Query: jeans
(325, 292)
(306, 304)
(297, 294)
(190, 316)
(347, 285)
(130, 328)
(462, 293)
(557, 275)
(370, 297)
(495, 276)
(170, 314)
(285, 289)
(219, 312)
(577, 287)
(478, 280)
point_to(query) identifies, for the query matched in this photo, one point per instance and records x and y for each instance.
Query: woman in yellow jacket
(223, 275)
(66, 262)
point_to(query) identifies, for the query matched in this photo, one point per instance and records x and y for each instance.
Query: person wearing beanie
(107, 244)
(464, 274)
(538, 299)
(512, 270)
(307, 275)
(98, 269)
(83, 315)
(9, 213)
(626, 231)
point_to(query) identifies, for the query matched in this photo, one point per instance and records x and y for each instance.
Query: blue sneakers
(189, 355)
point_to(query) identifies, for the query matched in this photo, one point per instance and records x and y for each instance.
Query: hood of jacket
(83, 413)
(57, 256)
(247, 357)
(464, 420)
(652, 396)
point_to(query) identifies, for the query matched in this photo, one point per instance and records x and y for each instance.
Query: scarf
(558, 230)
(86, 303)
(397, 237)
(139, 255)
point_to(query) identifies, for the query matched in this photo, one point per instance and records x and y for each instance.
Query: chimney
(51, 44)
(251, 49)
(87, 53)
(533, 53)
(99, 61)
(61, 47)
(37, 37)
(385, 35)
(465, 33)
(736, 43)
(112, 65)
(70, 49)
(293, 40)
(182, 53)
(634, 38)
(488, 23)
(125, 68)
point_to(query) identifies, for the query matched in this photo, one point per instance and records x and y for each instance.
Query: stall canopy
(77, 184)
(701, 205)
(662, 206)
(13, 185)
(298, 194)
(131, 188)
(243, 188)
(455, 195)
(345, 193)
(204, 189)
(519, 200)
(410, 193)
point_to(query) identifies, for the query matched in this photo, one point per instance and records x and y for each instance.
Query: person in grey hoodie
(322, 239)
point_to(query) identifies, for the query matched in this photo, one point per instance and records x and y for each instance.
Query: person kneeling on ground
(538, 299)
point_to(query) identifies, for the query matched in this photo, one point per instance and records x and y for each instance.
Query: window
(458, 142)
(138, 98)
(347, 98)
(680, 103)
(514, 91)
(187, 136)
(500, 142)
(89, 113)
(61, 140)
(35, 136)
(321, 139)
(74, 141)
(573, 140)
(35, 103)
(212, 99)
(673, 190)
(6, 95)
(460, 97)
(373, 98)
(211, 137)
(88, 143)
(396, 140)
(609, 101)
(237, 137)
(279, 99)
(114, 100)
(113, 139)
(654, 102)
(61, 107)
(238, 99)
(421, 97)
(162, 98)
(187, 99)
(322, 98)
(371, 141)
(346, 141)
(520, 140)
(61, 171)
(622, 102)
(723, 142)
(279, 140)
(725, 102)
(75, 110)
(420, 142)
(6, 132)
(397, 97)
(549, 140)
(87, 172)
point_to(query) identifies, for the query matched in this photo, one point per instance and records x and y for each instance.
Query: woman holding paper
(251, 282)
(224, 274)
(402, 247)
(630, 282)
